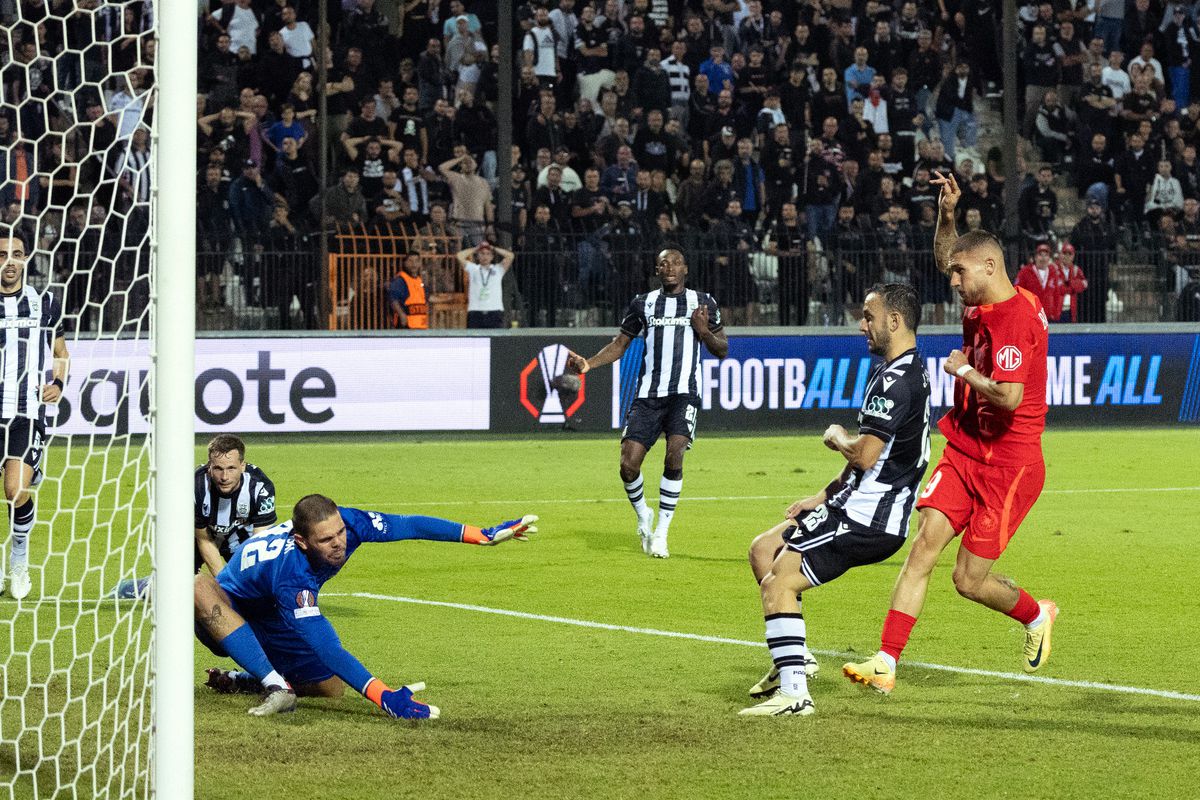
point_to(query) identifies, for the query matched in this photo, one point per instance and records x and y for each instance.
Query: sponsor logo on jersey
(1008, 357)
(377, 521)
(878, 407)
(541, 398)
(267, 505)
(668, 322)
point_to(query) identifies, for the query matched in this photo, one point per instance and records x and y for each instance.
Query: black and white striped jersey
(672, 361)
(896, 409)
(233, 518)
(30, 321)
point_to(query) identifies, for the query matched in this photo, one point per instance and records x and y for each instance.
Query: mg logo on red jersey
(551, 362)
(1008, 358)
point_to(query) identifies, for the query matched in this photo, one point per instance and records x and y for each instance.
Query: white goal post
(174, 324)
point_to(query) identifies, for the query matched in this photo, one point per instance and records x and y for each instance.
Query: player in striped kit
(31, 329)
(675, 321)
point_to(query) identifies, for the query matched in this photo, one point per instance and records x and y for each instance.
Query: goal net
(76, 132)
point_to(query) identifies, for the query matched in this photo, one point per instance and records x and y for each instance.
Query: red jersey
(1007, 342)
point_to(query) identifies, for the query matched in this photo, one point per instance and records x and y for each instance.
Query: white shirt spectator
(243, 30)
(570, 179)
(1164, 194)
(298, 41)
(540, 42)
(564, 25)
(483, 287)
(1117, 80)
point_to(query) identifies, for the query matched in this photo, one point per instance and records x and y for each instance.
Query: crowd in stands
(787, 147)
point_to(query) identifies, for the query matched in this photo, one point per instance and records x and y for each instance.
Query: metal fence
(580, 280)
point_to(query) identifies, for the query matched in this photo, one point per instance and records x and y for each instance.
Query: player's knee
(774, 590)
(967, 585)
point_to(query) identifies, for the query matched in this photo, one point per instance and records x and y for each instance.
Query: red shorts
(988, 502)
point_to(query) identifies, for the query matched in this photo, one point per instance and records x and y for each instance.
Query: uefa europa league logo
(551, 364)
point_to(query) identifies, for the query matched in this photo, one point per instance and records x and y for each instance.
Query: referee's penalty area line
(696, 637)
(717, 499)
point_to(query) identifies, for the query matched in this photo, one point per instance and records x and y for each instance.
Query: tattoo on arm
(210, 618)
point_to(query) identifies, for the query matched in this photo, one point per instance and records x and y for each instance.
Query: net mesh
(75, 186)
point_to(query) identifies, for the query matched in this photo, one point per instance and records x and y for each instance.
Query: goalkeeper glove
(513, 529)
(400, 704)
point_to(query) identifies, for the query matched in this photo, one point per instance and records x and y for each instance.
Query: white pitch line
(711, 499)
(583, 623)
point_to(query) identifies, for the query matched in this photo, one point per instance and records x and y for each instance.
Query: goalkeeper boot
(277, 700)
(228, 681)
(874, 672)
(645, 529)
(512, 529)
(770, 681)
(781, 705)
(19, 583)
(1037, 639)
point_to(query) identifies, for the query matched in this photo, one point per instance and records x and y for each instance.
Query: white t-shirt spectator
(1141, 63)
(298, 41)
(1117, 80)
(483, 287)
(540, 42)
(243, 30)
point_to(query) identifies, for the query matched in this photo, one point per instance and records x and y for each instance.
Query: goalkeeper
(262, 611)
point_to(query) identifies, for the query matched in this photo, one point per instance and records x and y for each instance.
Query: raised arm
(947, 232)
(506, 257)
(375, 526)
(1004, 394)
(608, 354)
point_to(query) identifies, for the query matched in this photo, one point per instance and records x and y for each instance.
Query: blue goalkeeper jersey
(271, 579)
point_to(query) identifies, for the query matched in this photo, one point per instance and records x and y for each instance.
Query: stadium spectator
(485, 301)
(250, 204)
(1134, 172)
(1038, 207)
(1074, 283)
(1053, 130)
(956, 110)
(735, 240)
(1094, 173)
(1042, 277)
(344, 202)
(471, 197)
(540, 49)
(788, 242)
(407, 297)
(1042, 70)
(297, 38)
(542, 267)
(1164, 195)
(1096, 244)
(620, 178)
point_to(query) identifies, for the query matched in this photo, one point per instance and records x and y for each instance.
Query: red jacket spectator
(1073, 284)
(1042, 277)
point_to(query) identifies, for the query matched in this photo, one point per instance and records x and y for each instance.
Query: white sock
(637, 497)
(785, 640)
(668, 498)
(1038, 620)
(887, 659)
(274, 679)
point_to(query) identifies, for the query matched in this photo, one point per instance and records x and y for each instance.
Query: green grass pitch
(540, 708)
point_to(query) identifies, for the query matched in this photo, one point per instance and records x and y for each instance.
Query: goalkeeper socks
(785, 640)
(243, 648)
(637, 497)
(668, 498)
(1026, 611)
(897, 627)
(22, 523)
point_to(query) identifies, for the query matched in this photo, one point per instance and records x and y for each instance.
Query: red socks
(1026, 609)
(896, 629)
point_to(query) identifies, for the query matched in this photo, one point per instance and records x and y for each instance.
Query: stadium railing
(575, 280)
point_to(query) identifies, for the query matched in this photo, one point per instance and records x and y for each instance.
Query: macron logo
(1008, 358)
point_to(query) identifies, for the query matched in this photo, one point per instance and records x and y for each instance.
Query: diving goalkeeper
(262, 611)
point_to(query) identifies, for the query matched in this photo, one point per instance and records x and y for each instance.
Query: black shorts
(674, 415)
(831, 544)
(25, 439)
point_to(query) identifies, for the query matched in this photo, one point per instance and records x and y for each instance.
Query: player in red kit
(991, 472)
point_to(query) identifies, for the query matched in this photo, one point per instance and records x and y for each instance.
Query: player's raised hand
(950, 194)
(955, 361)
(401, 705)
(513, 529)
(832, 433)
(577, 363)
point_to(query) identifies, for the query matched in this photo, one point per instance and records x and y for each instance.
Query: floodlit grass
(535, 708)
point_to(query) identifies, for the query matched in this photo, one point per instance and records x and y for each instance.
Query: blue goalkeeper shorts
(289, 654)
